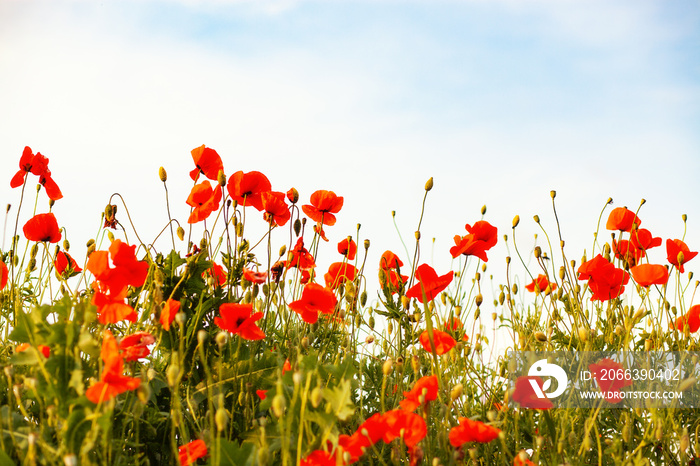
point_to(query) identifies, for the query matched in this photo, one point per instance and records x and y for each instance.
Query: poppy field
(226, 349)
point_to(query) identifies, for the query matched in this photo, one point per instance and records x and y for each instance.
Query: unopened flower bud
(540, 336)
(66, 245)
(221, 178)
(70, 460)
(429, 184)
(221, 419)
(553, 193)
(278, 405)
(417, 235)
(172, 374)
(516, 220)
(370, 339)
(144, 393)
(387, 367)
(181, 318)
(316, 397)
(456, 391)
(478, 299)
(163, 174)
(483, 210)
(293, 195)
(536, 218)
(181, 233)
(684, 217)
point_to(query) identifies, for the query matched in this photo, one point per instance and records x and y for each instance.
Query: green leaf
(235, 455)
(340, 399)
(5, 460)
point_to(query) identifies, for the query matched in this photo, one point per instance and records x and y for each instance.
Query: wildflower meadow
(227, 349)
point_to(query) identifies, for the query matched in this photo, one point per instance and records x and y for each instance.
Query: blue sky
(499, 101)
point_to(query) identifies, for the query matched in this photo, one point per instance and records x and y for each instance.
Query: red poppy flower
(610, 386)
(319, 231)
(191, 452)
(403, 423)
(604, 279)
(124, 270)
(650, 274)
(314, 299)
(262, 394)
(622, 219)
(524, 394)
(204, 200)
(348, 248)
(300, 257)
(293, 195)
(217, 272)
(482, 237)
(42, 227)
(254, 277)
(626, 251)
(323, 205)
(678, 253)
(540, 284)
(318, 458)
(4, 275)
(443, 341)
(207, 161)
(52, 189)
(25, 166)
(167, 315)
(430, 285)
(112, 382)
(276, 210)
(135, 346)
(453, 324)
(287, 366)
(389, 260)
(65, 265)
(239, 319)
(472, 431)
(425, 389)
(247, 188)
(691, 319)
(339, 273)
(43, 349)
(642, 239)
(111, 307)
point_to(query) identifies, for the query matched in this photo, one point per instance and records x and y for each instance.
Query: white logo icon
(542, 368)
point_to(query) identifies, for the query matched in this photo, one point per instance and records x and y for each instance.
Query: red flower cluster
(112, 382)
(339, 273)
(482, 237)
(604, 279)
(167, 315)
(4, 275)
(348, 248)
(204, 200)
(239, 319)
(425, 389)
(38, 165)
(390, 272)
(43, 349)
(678, 253)
(115, 270)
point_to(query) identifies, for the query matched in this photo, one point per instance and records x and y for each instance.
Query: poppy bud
(583, 334)
(681, 257)
(293, 195)
(202, 336)
(429, 184)
(172, 374)
(684, 217)
(483, 210)
(221, 416)
(363, 298)
(221, 339)
(515, 288)
(283, 250)
(553, 193)
(387, 367)
(181, 233)
(390, 328)
(33, 251)
(110, 235)
(456, 391)
(417, 235)
(369, 340)
(366, 244)
(458, 310)
(278, 405)
(181, 318)
(501, 298)
(221, 178)
(415, 363)
(316, 397)
(297, 227)
(477, 313)
(163, 174)
(516, 220)
(610, 200)
(370, 322)
(405, 302)
(494, 316)
(541, 337)
(537, 219)
(538, 252)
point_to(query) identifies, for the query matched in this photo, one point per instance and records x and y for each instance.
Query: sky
(499, 101)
